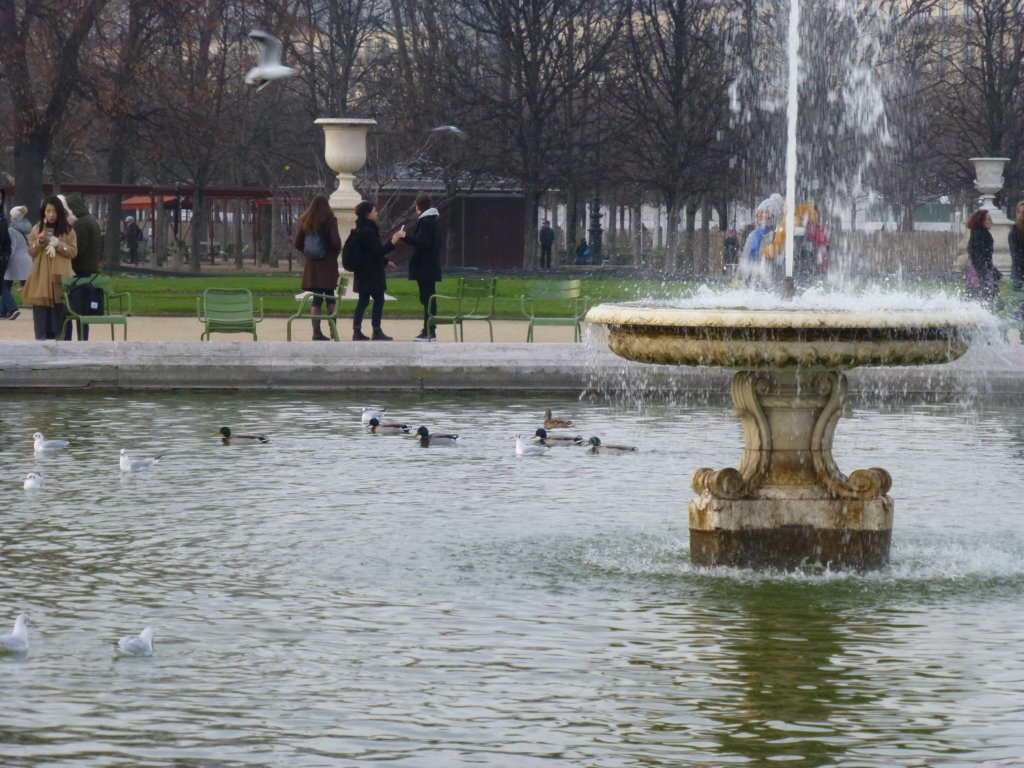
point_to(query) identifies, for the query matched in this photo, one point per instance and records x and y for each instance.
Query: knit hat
(129, 219)
(18, 212)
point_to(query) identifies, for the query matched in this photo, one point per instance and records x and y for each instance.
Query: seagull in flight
(270, 67)
(449, 129)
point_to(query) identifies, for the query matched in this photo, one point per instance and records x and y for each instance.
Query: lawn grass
(166, 295)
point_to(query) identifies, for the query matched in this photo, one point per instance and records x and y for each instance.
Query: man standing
(87, 300)
(547, 239)
(132, 236)
(425, 264)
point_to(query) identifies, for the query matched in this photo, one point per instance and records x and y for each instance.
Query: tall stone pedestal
(989, 180)
(345, 153)
(788, 504)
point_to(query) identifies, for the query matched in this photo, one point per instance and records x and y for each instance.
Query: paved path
(275, 329)
(165, 353)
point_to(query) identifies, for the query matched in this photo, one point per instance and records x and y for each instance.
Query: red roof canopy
(144, 201)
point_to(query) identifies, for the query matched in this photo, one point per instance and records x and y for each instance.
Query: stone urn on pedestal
(989, 180)
(787, 504)
(345, 153)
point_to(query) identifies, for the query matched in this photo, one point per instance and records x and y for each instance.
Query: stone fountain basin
(787, 338)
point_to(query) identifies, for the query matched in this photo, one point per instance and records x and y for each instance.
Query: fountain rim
(795, 318)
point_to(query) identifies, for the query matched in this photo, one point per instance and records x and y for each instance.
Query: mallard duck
(227, 436)
(544, 438)
(34, 481)
(42, 444)
(17, 641)
(137, 645)
(128, 464)
(552, 423)
(376, 427)
(372, 413)
(427, 439)
(526, 447)
(594, 445)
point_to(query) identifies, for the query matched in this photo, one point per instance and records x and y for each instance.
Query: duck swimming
(551, 422)
(545, 439)
(427, 439)
(376, 427)
(227, 436)
(594, 445)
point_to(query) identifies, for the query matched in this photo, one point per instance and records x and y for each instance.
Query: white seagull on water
(34, 481)
(43, 445)
(137, 645)
(17, 641)
(128, 464)
(270, 67)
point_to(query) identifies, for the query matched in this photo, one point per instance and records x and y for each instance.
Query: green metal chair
(554, 303)
(473, 300)
(117, 307)
(305, 310)
(224, 310)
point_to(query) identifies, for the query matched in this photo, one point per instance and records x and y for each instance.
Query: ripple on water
(340, 598)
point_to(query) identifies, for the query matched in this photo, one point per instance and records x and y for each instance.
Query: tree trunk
(236, 215)
(29, 155)
(198, 227)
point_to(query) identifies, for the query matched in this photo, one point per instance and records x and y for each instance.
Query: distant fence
(867, 254)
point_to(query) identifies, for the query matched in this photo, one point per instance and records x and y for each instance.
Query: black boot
(379, 335)
(358, 335)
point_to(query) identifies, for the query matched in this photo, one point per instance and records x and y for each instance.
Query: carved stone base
(791, 533)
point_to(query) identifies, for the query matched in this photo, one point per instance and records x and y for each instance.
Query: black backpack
(313, 246)
(351, 253)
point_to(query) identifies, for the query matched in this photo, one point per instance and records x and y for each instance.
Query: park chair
(473, 300)
(227, 310)
(551, 302)
(305, 310)
(117, 307)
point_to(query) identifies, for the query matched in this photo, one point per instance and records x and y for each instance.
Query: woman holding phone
(52, 245)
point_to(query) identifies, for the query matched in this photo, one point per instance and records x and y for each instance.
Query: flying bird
(270, 67)
(458, 132)
(137, 645)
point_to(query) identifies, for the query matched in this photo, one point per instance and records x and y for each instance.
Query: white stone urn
(988, 180)
(788, 504)
(345, 153)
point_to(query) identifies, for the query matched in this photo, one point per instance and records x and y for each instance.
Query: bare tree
(40, 47)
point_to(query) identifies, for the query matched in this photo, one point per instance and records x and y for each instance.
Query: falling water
(792, 110)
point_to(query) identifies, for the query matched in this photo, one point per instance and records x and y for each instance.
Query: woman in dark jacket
(425, 264)
(370, 280)
(1017, 248)
(320, 276)
(981, 273)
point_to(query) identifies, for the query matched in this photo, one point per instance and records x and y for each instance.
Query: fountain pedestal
(989, 180)
(788, 504)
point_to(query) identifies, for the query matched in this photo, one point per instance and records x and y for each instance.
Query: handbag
(85, 298)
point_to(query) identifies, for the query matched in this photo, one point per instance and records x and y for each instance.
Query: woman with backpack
(317, 238)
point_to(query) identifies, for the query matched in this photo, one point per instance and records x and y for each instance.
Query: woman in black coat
(982, 276)
(425, 265)
(369, 278)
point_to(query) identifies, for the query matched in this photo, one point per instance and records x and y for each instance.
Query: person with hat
(20, 264)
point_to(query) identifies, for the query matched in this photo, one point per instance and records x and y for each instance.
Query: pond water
(337, 598)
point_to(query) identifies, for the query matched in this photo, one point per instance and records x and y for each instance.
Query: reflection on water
(346, 599)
